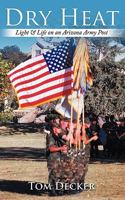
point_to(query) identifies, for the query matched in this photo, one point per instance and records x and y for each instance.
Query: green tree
(13, 54)
(108, 91)
(9, 58)
(5, 85)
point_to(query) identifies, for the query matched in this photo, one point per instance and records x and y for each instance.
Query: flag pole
(71, 121)
(78, 127)
(83, 118)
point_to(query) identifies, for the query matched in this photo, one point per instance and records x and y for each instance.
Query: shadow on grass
(22, 153)
(118, 161)
(39, 154)
(33, 188)
(17, 128)
(22, 187)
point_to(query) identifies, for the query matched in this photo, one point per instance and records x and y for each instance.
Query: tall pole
(78, 125)
(83, 118)
(71, 121)
(83, 112)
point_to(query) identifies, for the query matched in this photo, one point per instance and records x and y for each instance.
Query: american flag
(44, 78)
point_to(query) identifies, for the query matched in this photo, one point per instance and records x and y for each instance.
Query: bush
(6, 116)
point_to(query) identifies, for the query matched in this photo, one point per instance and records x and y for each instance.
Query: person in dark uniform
(106, 128)
(94, 130)
(113, 137)
(55, 147)
(121, 138)
(110, 127)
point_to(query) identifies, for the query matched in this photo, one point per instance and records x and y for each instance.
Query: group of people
(66, 144)
(114, 145)
(64, 135)
(108, 133)
(71, 133)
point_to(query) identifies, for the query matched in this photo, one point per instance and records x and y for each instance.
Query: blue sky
(55, 6)
(55, 21)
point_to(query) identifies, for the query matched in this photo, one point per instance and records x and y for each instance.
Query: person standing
(55, 147)
(94, 130)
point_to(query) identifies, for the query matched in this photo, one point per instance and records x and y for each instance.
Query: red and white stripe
(35, 85)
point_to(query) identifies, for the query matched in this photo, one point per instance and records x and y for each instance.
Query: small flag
(82, 72)
(44, 78)
(76, 100)
(64, 106)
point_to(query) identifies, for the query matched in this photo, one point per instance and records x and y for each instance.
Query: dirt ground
(22, 160)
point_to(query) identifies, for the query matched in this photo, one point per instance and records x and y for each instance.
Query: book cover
(62, 91)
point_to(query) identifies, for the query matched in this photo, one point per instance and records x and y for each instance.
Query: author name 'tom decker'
(60, 186)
